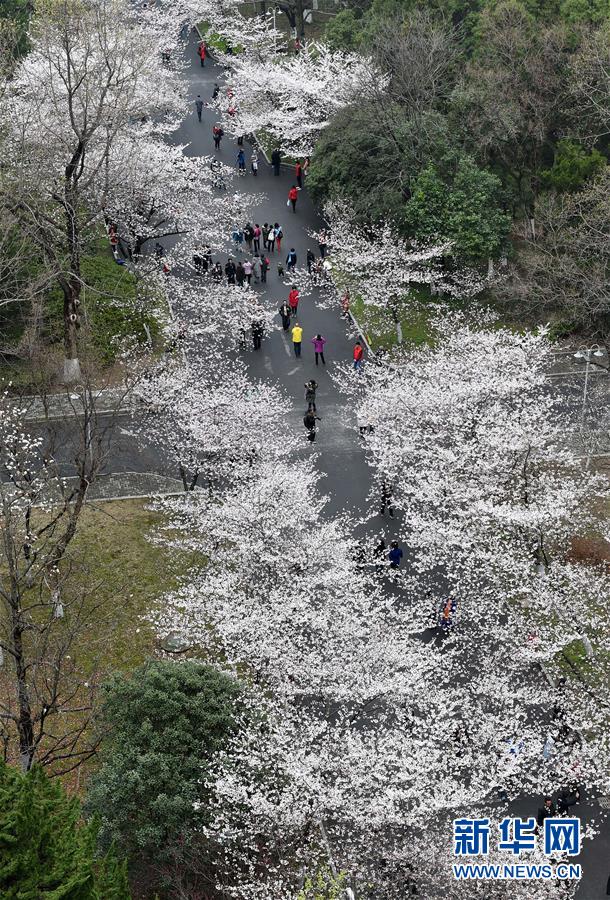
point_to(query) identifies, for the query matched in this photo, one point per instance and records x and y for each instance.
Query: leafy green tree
(344, 31)
(572, 166)
(165, 724)
(45, 851)
(460, 202)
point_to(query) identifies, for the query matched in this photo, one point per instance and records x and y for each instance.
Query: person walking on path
(309, 421)
(322, 243)
(311, 258)
(257, 238)
(358, 354)
(318, 345)
(248, 271)
(241, 162)
(293, 196)
(279, 234)
(199, 106)
(240, 274)
(310, 394)
(216, 91)
(291, 259)
(271, 239)
(248, 235)
(217, 134)
(230, 271)
(276, 159)
(202, 51)
(254, 162)
(256, 268)
(257, 333)
(298, 174)
(264, 268)
(285, 314)
(293, 299)
(297, 337)
(395, 555)
(345, 304)
(237, 236)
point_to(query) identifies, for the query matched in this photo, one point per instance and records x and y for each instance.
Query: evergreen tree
(45, 850)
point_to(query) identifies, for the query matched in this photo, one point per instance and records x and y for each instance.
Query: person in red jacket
(202, 50)
(358, 354)
(293, 300)
(292, 197)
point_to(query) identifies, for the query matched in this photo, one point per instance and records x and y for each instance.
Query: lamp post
(586, 354)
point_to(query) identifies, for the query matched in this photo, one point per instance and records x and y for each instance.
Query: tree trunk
(396, 320)
(25, 724)
(72, 285)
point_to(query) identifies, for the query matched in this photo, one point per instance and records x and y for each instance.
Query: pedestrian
(386, 493)
(306, 166)
(237, 236)
(395, 555)
(215, 92)
(345, 304)
(275, 161)
(202, 50)
(264, 268)
(298, 174)
(285, 314)
(297, 337)
(230, 271)
(248, 271)
(265, 235)
(241, 162)
(547, 811)
(248, 235)
(358, 354)
(256, 237)
(311, 387)
(322, 243)
(217, 272)
(199, 106)
(200, 263)
(318, 345)
(310, 259)
(567, 799)
(271, 239)
(217, 134)
(256, 268)
(291, 259)
(293, 299)
(240, 274)
(254, 162)
(293, 195)
(309, 421)
(279, 234)
(159, 250)
(257, 333)
(280, 269)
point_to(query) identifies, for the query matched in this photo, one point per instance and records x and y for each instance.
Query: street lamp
(586, 354)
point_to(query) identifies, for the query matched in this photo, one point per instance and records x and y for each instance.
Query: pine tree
(45, 850)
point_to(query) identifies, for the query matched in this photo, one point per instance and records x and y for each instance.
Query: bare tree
(46, 600)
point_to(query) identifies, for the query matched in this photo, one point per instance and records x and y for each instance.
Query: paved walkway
(339, 447)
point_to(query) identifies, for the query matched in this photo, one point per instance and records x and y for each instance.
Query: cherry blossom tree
(294, 97)
(87, 81)
(381, 267)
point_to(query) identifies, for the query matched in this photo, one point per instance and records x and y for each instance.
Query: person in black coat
(275, 161)
(547, 811)
(285, 314)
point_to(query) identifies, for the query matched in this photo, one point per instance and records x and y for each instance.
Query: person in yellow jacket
(297, 337)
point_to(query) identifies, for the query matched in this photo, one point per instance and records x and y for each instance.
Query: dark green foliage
(344, 31)
(458, 201)
(572, 167)
(113, 308)
(165, 725)
(45, 852)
